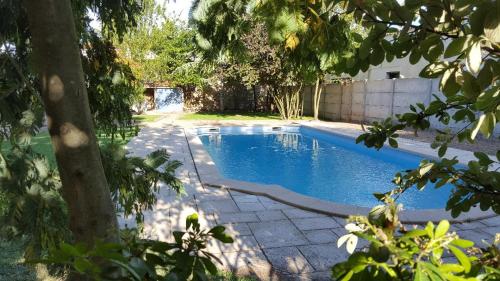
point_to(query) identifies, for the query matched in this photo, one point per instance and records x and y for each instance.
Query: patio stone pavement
(273, 241)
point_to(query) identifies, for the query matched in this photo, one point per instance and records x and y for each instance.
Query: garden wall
(375, 100)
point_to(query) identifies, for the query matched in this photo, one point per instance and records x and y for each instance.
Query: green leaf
(191, 219)
(476, 19)
(425, 168)
(432, 47)
(488, 124)
(82, 265)
(364, 49)
(442, 228)
(492, 24)
(474, 58)
(470, 87)
(462, 243)
(415, 233)
(415, 56)
(458, 46)
(223, 237)
(429, 228)
(393, 143)
(483, 158)
(451, 267)
(461, 257)
(442, 150)
(477, 126)
(434, 70)
(217, 229)
(377, 55)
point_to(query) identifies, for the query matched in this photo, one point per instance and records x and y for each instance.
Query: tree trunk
(317, 98)
(57, 61)
(254, 98)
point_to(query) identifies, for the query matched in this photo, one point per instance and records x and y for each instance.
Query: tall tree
(160, 49)
(64, 94)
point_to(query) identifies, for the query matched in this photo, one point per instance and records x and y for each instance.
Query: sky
(177, 8)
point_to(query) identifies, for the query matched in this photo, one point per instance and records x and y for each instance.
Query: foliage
(30, 186)
(134, 181)
(112, 90)
(31, 201)
(36, 210)
(140, 259)
(398, 253)
(248, 55)
(232, 116)
(468, 69)
(161, 50)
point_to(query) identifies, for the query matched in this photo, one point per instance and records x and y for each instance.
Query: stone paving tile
(299, 214)
(270, 215)
(315, 223)
(250, 207)
(277, 234)
(323, 257)
(470, 225)
(341, 232)
(237, 193)
(273, 205)
(245, 198)
(493, 230)
(476, 236)
(494, 221)
(217, 194)
(236, 217)
(178, 218)
(218, 206)
(289, 260)
(253, 263)
(320, 236)
(237, 229)
(243, 243)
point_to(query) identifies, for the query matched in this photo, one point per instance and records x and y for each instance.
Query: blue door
(169, 100)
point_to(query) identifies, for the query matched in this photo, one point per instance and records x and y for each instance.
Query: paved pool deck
(273, 241)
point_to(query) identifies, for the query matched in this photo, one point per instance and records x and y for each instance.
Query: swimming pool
(315, 163)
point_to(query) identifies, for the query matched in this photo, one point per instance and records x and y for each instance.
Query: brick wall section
(375, 100)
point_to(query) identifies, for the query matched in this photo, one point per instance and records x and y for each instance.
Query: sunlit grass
(146, 118)
(234, 116)
(41, 143)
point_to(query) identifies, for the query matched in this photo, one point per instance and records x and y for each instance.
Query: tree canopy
(160, 49)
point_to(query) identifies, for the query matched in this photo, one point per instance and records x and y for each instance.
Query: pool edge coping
(209, 175)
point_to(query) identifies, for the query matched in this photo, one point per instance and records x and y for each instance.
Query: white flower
(352, 241)
(352, 227)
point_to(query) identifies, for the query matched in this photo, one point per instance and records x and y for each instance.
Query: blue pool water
(320, 165)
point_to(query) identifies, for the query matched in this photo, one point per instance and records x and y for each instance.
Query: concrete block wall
(358, 101)
(375, 100)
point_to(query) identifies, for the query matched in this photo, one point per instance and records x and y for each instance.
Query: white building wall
(405, 68)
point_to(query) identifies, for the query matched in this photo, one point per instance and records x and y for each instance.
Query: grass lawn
(234, 116)
(146, 118)
(41, 143)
